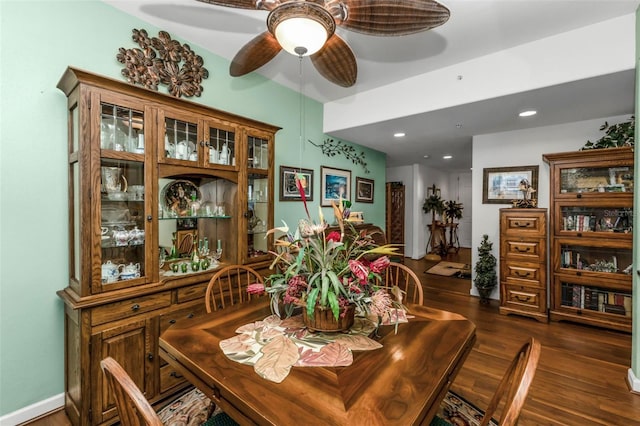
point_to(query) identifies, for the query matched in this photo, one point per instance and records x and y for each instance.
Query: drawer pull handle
(522, 299)
(176, 375)
(521, 250)
(172, 321)
(522, 225)
(135, 307)
(191, 315)
(150, 356)
(521, 274)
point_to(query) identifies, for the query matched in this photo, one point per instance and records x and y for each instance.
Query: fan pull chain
(302, 110)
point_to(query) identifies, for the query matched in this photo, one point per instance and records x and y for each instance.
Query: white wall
(460, 190)
(522, 148)
(417, 180)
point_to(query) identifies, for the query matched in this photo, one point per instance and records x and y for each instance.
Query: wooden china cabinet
(591, 219)
(156, 186)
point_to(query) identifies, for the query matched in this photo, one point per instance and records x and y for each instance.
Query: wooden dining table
(401, 383)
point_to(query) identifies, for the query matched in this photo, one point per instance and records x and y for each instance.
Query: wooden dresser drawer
(517, 223)
(523, 297)
(169, 378)
(192, 292)
(521, 249)
(519, 273)
(130, 307)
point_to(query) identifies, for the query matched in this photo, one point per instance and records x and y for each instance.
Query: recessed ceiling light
(447, 157)
(528, 113)
(426, 156)
(398, 135)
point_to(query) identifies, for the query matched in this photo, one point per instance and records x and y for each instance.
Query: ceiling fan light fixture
(301, 28)
(301, 36)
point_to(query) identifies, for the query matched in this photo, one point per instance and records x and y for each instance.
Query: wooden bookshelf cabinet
(150, 178)
(523, 262)
(591, 239)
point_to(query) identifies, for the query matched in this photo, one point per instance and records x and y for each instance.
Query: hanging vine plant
(616, 135)
(161, 60)
(331, 148)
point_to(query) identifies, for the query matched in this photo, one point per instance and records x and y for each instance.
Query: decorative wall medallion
(332, 147)
(161, 60)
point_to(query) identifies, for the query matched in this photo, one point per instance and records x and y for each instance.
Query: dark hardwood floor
(581, 377)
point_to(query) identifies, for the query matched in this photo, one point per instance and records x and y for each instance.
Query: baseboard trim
(32, 411)
(634, 382)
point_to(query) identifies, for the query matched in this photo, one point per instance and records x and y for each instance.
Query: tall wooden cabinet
(591, 236)
(523, 262)
(158, 188)
(394, 213)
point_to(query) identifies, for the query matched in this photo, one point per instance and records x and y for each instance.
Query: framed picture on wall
(364, 190)
(334, 184)
(288, 188)
(501, 185)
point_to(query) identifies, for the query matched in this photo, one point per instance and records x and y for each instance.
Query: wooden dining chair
(190, 408)
(133, 408)
(401, 276)
(513, 388)
(228, 287)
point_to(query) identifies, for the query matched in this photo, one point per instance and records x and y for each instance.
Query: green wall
(38, 40)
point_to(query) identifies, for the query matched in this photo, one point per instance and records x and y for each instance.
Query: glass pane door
(123, 224)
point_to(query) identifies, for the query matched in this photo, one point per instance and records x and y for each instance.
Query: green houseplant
(486, 277)
(616, 135)
(452, 211)
(328, 271)
(433, 205)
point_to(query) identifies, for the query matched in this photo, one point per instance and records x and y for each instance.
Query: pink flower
(380, 264)
(333, 236)
(255, 288)
(359, 270)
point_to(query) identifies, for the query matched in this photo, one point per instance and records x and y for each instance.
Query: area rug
(193, 408)
(454, 410)
(446, 269)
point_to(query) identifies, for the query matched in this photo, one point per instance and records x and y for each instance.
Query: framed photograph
(364, 190)
(501, 185)
(288, 188)
(334, 184)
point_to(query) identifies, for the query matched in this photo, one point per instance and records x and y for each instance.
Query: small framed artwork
(501, 185)
(335, 184)
(364, 190)
(289, 189)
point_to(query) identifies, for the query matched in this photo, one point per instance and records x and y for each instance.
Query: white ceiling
(476, 28)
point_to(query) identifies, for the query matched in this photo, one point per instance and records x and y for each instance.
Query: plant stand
(437, 242)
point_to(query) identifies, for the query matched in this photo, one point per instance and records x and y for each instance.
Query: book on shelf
(596, 299)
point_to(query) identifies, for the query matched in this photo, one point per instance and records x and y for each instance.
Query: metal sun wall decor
(161, 60)
(331, 147)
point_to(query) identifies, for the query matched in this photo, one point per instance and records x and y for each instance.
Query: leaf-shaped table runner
(273, 346)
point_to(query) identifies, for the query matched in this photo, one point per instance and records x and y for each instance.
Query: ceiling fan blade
(393, 17)
(336, 62)
(254, 54)
(240, 4)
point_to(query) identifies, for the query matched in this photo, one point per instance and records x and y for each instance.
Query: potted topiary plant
(486, 277)
(433, 204)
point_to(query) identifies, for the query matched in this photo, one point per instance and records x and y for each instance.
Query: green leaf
(311, 301)
(335, 306)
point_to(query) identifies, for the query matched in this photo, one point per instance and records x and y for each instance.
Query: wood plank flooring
(581, 377)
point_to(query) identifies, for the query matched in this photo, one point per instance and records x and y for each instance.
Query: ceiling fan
(307, 28)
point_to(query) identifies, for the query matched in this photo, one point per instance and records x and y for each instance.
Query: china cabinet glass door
(123, 224)
(258, 197)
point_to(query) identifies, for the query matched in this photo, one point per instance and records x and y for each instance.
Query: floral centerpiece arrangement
(329, 272)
